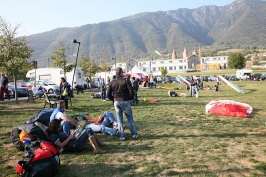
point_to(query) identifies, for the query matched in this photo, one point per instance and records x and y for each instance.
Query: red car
(23, 84)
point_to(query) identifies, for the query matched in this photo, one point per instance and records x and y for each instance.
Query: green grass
(177, 137)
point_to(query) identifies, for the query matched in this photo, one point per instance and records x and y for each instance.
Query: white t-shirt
(59, 115)
(35, 90)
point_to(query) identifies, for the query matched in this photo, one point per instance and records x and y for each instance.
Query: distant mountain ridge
(237, 25)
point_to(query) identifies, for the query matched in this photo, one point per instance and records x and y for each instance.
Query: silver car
(48, 85)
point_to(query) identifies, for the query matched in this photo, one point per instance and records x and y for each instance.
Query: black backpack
(42, 116)
(15, 139)
(38, 131)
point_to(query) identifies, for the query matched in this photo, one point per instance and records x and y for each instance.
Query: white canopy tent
(137, 72)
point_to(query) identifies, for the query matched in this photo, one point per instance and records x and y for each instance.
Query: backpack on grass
(43, 162)
(14, 136)
(42, 116)
(37, 131)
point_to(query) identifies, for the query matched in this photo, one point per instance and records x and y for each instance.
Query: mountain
(240, 24)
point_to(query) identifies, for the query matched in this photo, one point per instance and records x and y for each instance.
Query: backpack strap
(42, 127)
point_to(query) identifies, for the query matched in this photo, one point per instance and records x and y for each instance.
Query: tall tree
(14, 52)
(88, 66)
(236, 60)
(163, 71)
(59, 59)
(104, 66)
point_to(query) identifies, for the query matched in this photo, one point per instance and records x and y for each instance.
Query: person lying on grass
(71, 142)
(100, 125)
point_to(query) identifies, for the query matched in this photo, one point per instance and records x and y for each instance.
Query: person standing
(192, 86)
(65, 87)
(135, 88)
(3, 87)
(88, 83)
(123, 94)
(154, 81)
(108, 80)
(103, 90)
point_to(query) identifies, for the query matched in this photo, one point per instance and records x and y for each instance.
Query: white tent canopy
(136, 71)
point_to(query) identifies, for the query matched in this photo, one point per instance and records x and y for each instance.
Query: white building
(187, 63)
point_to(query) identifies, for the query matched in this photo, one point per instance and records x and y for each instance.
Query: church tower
(185, 54)
(174, 54)
(195, 53)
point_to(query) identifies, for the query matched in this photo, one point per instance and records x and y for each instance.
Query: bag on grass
(45, 162)
(36, 131)
(42, 116)
(14, 136)
(172, 94)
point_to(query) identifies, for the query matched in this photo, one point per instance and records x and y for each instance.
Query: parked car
(233, 78)
(258, 77)
(263, 77)
(173, 79)
(23, 84)
(213, 78)
(11, 94)
(159, 79)
(196, 77)
(21, 91)
(48, 85)
(205, 78)
(168, 79)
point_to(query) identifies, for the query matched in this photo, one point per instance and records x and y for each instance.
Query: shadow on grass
(95, 170)
(211, 173)
(248, 91)
(221, 135)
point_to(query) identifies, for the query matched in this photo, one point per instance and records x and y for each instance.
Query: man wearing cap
(3, 87)
(121, 92)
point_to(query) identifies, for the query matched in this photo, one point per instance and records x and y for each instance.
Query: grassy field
(177, 137)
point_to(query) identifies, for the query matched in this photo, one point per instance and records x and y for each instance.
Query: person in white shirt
(36, 91)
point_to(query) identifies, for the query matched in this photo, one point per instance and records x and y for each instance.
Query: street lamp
(75, 41)
(115, 61)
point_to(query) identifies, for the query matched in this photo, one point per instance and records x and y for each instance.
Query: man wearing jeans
(123, 94)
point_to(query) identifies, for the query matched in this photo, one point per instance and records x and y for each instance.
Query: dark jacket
(121, 88)
(136, 85)
(3, 82)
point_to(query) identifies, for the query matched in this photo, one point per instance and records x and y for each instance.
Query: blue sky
(36, 16)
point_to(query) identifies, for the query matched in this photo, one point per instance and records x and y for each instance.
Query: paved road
(13, 100)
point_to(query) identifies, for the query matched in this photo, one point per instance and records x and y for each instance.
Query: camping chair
(50, 100)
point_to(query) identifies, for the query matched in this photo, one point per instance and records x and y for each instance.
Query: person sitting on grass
(78, 88)
(84, 122)
(66, 121)
(71, 142)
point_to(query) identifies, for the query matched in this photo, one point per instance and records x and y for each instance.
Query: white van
(243, 74)
(54, 75)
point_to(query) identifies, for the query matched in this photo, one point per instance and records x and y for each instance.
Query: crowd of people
(121, 91)
(71, 133)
